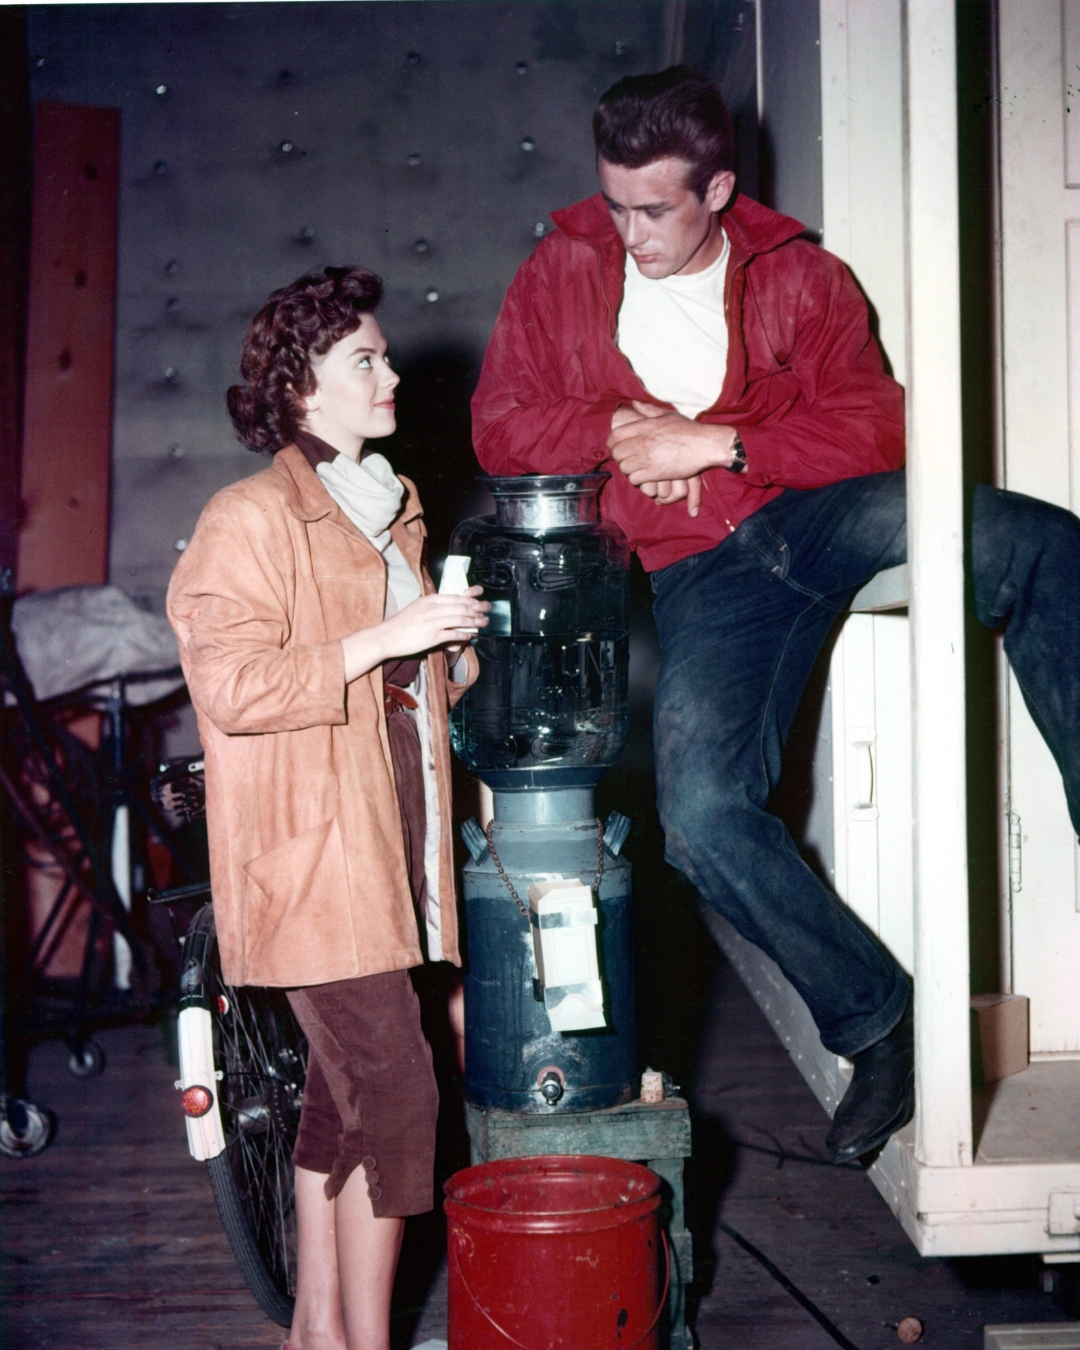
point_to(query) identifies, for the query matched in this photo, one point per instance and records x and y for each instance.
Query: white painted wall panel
(862, 156)
(1070, 86)
(863, 201)
(1041, 456)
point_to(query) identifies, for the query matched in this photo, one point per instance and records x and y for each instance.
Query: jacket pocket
(298, 925)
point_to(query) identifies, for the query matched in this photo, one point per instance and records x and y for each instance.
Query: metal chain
(502, 871)
(599, 857)
(510, 885)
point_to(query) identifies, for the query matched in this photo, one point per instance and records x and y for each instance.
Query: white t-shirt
(673, 332)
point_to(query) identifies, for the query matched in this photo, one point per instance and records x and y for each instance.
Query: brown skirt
(370, 1098)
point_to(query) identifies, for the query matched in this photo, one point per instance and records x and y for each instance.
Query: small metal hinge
(1016, 876)
(1064, 1216)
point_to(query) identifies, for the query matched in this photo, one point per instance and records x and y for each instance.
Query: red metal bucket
(554, 1253)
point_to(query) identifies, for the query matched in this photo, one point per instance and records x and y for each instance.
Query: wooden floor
(826, 1228)
(110, 1239)
(1031, 1116)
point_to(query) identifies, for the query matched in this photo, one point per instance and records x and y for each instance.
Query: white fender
(206, 1137)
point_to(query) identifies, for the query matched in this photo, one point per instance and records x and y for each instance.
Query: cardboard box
(999, 1035)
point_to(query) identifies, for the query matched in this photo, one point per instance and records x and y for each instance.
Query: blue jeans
(741, 626)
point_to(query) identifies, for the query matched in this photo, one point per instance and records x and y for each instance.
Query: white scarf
(370, 494)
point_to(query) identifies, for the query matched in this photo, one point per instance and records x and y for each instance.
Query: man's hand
(663, 453)
(675, 490)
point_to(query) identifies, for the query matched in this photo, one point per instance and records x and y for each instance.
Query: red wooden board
(67, 428)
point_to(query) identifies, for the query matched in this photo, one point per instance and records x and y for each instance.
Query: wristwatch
(738, 462)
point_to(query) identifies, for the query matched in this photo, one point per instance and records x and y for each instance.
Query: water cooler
(550, 1047)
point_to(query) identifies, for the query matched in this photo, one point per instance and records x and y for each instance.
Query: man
(725, 365)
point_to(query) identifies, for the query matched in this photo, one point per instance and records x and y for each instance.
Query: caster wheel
(25, 1128)
(86, 1060)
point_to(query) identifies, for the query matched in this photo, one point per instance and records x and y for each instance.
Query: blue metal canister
(513, 1058)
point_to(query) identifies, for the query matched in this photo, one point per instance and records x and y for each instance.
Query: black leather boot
(880, 1095)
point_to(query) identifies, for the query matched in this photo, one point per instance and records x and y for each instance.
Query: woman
(319, 663)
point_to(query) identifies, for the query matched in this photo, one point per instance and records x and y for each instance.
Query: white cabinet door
(1040, 241)
(871, 760)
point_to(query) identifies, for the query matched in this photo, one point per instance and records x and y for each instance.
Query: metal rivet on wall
(539, 228)
(176, 451)
(527, 143)
(172, 303)
(413, 58)
(286, 147)
(414, 158)
(180, 545)
(522, 67)
(307, 234)
(161, 90)
(421, 246)
(432, 295)
(172, 375)
(160, 167)
(172, 267)
(620, 48)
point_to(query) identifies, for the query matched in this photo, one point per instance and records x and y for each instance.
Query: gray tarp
(90, 635)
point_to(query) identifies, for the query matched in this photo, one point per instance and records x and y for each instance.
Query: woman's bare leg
(367, 1255)
(317, 1321)
(349, 1310)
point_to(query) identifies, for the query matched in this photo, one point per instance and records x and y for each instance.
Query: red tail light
(197, 1100)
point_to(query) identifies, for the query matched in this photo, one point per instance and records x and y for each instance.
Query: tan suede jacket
(307, 857)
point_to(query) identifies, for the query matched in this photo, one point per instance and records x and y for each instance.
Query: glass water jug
(549, 709)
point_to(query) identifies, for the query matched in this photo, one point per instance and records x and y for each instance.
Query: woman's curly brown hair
(301, 320)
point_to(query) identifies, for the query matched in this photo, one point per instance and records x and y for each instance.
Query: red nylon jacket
(805, 383)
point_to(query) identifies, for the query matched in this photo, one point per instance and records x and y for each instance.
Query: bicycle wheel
(260, 1055)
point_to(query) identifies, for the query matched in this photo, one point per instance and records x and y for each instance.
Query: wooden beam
(67, 430)
(936, 567)
(14, 250)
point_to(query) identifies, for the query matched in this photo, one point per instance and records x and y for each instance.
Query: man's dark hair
(301, 320)
(674, 112)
